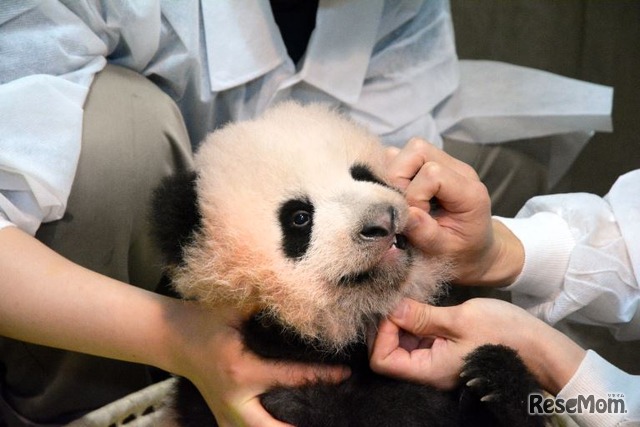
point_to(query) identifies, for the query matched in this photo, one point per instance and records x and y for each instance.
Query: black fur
(362, 172)
(498, 374)
(296, 223)
(495, 373)
(174, 215)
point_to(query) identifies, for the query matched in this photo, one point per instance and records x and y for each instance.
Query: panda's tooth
(400, 241)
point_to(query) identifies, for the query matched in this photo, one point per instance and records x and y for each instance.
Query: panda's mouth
(400, 242)
(355, 279)
(358, 278)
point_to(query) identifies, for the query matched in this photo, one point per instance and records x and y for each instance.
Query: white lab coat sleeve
(49, 58)
(51, 52)
(598, 380)
(582, 257)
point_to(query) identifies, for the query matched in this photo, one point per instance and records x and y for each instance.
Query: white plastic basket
(146, 408)
(143, 408)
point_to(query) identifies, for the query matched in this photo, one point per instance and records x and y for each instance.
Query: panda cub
(289, 215)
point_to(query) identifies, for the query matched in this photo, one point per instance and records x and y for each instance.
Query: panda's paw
(494, 379)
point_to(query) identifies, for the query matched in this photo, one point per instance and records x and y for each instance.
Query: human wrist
(501, 263)
(177, 337)
(552, 357)
(509, 261)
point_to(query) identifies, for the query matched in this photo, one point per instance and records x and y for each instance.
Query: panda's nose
(379, 224)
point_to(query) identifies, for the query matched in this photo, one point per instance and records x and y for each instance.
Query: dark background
(592, 40)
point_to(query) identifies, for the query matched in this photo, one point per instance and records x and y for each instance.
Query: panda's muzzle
(380, 225)
(377, 236)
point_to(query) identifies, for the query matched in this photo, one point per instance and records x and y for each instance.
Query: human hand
(230, 378)
(428, 344)
(482, 251)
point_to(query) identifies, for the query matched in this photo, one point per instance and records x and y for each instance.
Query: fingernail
(412, 222)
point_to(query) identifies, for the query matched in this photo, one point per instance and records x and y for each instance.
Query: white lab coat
(388, 64)
(582, 263)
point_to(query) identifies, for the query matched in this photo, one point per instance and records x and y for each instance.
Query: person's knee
(133, 136)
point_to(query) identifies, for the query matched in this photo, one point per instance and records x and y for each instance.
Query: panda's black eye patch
(362, 172)
(296, 222)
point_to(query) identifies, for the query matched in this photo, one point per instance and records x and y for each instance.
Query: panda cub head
(293, 218)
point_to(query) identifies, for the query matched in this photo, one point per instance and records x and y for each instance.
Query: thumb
(424, 232)
(421, 319)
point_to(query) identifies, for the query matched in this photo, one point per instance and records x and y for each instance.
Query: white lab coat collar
(243, 43)
(338, 55)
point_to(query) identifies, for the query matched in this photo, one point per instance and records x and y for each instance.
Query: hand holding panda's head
(293, 217)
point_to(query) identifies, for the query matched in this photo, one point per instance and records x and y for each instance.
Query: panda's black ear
(174, 214)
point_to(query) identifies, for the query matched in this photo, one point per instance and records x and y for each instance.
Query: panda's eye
(301, 219)
(296, 224)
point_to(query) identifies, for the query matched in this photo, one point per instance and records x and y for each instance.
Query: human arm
(598, 378)
(453, 332)
(583, 257)
(572, 255)
(428, 344)
(48, 300)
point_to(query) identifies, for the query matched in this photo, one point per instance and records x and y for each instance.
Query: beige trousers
(133, 135)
